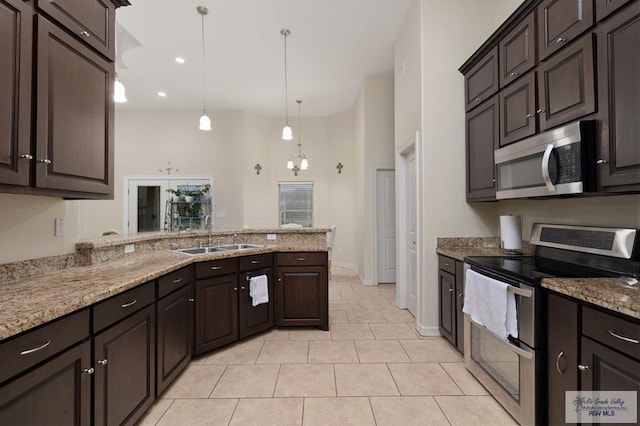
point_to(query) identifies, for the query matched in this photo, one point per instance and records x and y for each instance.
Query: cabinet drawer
(215, 268)
(618, 333)
(447, 264)
(92, 21)
(34, 346)
(259, 261)
(302, 258)
(122, 305)
(174, 281)
(561, 21)
(481, 82)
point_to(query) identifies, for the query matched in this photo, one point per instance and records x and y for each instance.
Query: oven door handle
(520, 291)
(546, 175)
(518, 351)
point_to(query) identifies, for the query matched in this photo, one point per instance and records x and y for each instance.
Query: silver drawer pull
(89, 370)
(191, 299)
(39, 348)
(241, 288)
(450, 290)
(529, 116)
(85, 34)
(560, 355)
(177, 280)
(215, 268)
(126, 305)
(561, 40)
(539, 111)
(583, 367)
(300, 259)
(626, 339)
(514, 74)
(601, 161)
(255, 262)
(44, 161)
(26, 157)
(103, 361)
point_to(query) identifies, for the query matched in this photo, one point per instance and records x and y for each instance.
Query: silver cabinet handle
(103, 361)
(461, 303)
(279, 280)
(255, 262)
(126, 305)
(626, 339)
(493, 180)
(445, 263)
(39, 348)
(560, 40)
(601, 161)
(583, 367)
(450, 290)
(513, 74)
(89, 370)
(540, 111)
(560, 355)
(44, 161)
(26, 157)
(177, 280)
(191, 299)
(85, 34)
(529, 115)
(235, 288)
(300, 259)
(477, 99)
(545, 168)
(215, 268)
(241, 288)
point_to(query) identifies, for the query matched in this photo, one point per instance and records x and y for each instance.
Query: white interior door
(386, 226)
(412, 235)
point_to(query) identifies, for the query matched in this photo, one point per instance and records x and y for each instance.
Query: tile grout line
(235, 407)
(275, 385)
(217, 382)
(441, 410)
(164, 412)
(394, 379)
(451, 378)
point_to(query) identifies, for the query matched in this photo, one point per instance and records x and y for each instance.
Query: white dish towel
(488, 303)
(259, 289)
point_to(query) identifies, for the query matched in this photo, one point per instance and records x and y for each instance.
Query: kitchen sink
(214, 249)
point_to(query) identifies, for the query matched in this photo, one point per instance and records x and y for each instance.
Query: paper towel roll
(511, 233)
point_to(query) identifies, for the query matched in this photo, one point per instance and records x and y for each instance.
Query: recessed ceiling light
(162, 94)
(179, 59)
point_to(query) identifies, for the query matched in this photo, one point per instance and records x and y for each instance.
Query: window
(296, 203)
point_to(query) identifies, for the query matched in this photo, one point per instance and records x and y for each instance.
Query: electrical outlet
(271, 237)
(129, 248)
(59, 226)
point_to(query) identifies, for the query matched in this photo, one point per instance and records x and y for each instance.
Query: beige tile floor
(371, 368)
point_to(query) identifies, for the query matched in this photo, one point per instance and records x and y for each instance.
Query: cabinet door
(518, 51)
(302, 296)
(125, 369)
(216, 312)
(566, 84)
(562, 354)
(605, 7)
(518, 110)
(481, 82)
(56, 393)
(459, 302)
(482, 130)
(74, 127)
(446, 287)
(560, 21)
(93, 21)
(254, 319)
(15, 85)
(174, 339)
(619, 94)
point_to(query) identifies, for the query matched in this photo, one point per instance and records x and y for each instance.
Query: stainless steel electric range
(511, 369)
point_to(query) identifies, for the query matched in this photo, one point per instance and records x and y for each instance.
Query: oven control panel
(614, 242)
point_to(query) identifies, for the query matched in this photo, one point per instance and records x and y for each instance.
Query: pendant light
(205, 121)
(287, 134)
(304, 163)
(119, 94)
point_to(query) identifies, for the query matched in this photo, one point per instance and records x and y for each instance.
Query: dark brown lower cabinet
(563, 339)
(124, 359)
(56, 393)
(446, 290)
(254, 319)
(302, 295)
(174, 345)
(216, 312)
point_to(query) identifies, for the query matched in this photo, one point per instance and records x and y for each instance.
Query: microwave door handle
(546, 176)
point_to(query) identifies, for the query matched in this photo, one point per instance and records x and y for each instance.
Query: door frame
(129, 179)
(375, 221)
(402, 294)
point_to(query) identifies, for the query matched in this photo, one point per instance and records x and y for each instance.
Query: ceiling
(333, 45)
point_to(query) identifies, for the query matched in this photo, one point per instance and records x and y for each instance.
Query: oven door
(506, 369)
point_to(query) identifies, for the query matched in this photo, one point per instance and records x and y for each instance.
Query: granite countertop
(31, 302)
(459, 253)
(608, 293)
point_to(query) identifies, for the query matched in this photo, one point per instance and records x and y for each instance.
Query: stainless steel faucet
(207, 224)
(176, 244)
(235, 238)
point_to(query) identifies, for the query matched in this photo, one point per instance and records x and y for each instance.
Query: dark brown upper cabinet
(560, 21)
(518, 51)
(605, 7)
(93, 21)
(74, 131)
(566, 86)
(482, 130)
(518, 110)
(619, 99)
(481, 82)
(15, 85)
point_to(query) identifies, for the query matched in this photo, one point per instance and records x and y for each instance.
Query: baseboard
(363, 281)
(344, 265)
(428, 331)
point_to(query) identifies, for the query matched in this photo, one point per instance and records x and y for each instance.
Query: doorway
(386, 226)
(148, 219)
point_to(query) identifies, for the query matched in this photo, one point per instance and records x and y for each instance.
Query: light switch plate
(129, 248)
(59, 229)
(271, 237)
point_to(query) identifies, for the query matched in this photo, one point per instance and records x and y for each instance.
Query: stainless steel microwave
(557, 162)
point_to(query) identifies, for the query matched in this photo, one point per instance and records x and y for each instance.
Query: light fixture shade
(287, 134)
(205, 122)
(119, 94)
(290, 164)
(304, 164)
